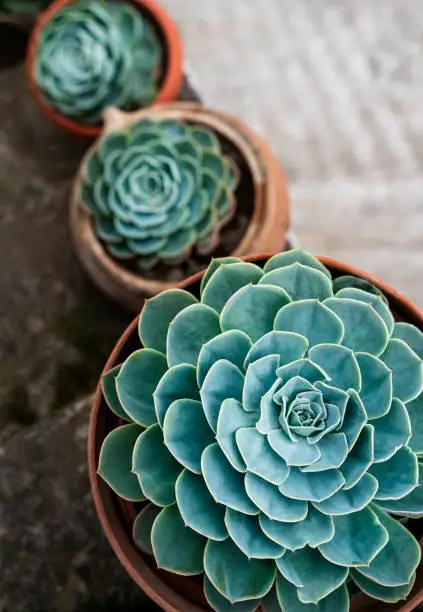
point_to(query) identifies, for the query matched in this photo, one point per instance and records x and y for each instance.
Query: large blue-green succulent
(97, 53)
(157, 189)
(275, 428)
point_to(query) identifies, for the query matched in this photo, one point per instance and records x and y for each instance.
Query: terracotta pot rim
(172, 81)
(268, 224)
(148, 580)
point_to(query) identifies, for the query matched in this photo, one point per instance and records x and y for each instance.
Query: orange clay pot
(173, 68)
(174, 593)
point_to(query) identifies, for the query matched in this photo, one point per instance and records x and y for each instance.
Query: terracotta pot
(268, 200)
(173, 69)
(177, 593)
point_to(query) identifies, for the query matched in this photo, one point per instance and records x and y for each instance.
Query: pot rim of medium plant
(172, 79)
(267, 227)
(176, 593)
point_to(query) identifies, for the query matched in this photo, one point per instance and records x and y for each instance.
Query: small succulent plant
(157, 189)
(95, 53)
(275, 428)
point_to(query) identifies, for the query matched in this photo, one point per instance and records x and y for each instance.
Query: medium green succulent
(276, 430)
(157, 189)
(96, 53)
(23, 6)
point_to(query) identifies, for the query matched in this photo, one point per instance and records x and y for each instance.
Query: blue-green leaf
(269, 412)
(108, 385)
(397, 476)
(334, 450)
(288, 597)
(300, 282)
(369, 298)
(221, 604)
(297, 453)
(214, 265)
(245, 531)
(198, 508)
(314, 576)
(415, 413)
(409, 505)
(302, 367)
(358, 538)
(350, 500)
(270, 500)
(177, 548)
(295, 256)
(407, 370)
(345, 281)
(187, 433)
(136, 383)
(155, 467)
(397, 562)
(339, 363)
(287, 345)
(252, 309)
(224, 483)
(312, 319)
(259, 378)
(143, 524)
(157, 314)
(411, 335)
(233, 417)
(259, 457)
(354, 419)
(382, 593)
(364, 329)
(227, 280)
(224, 380)
(376, 385)
(232, 345)
(235, 576)
(313, 486)
(360, 457)
(115, 462)
(179, 382)
(391, 431)
(314, 530)
(189, 330)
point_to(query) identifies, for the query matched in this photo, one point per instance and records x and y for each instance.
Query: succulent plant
(95, 53)
(157, 189)
(23, 6)
(275, 428)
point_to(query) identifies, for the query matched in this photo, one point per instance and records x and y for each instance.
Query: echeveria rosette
(282, 434)
(158, 189)
(93, 54)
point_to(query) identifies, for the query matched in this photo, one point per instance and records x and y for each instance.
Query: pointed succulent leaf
(224, 483)
(301, 367)
(350, 500)
(313, 486)
(269, 413)
(342, 282)
(235, 576)
(224, 380)
(136, 383)
(227, 280)
(312, 319)
(252, 309)
(198, 509)
(376, 385)
(187, 433)
(221, 604)
(177, 548)
(415, 412)
(259, 456)
(300, 282)
(354, 419)
(214, 265)
(259, 378)
(364, 329)
(391, 431)
(179, 382)
(358, 538)
(143, 524)
(314, 530)
(233, 417)
(334, 396)
(289, 346)
(115, 462)
(246, 532)
(288, 597)
(360, 457)
(409, 505)
(189, 330)
(382, 593)
(314, 576)
(333, 449)
(158, 312)
(270, 500)
(298, 453)
(398, 560)
(155, 467)
(407, 370)
(232, 345)
(397, 476)
(339, 364)
(108, 385)
(369, 298)
(411, 335)
(295, 256)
